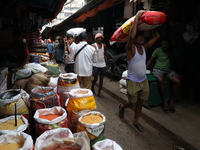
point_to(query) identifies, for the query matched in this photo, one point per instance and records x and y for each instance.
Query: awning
(29, 14)
(89, 10)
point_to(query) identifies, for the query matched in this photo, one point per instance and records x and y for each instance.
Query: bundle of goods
(53, 69)
(53, 82)
(122, 83)
(22, 74)
(36, 68)
(16, 141)
(43, 97)
(14, 99)
(37, 48)
(106, 144)
(16, 123)
(50, 118)
(93, 124)
(34, 36)
(148, 21)
(65, 83)
(34, 58)
(75, 31)
(37, 79)
(62, 139)
(43, 57)
(20, 84)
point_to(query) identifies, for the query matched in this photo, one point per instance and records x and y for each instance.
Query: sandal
(121, 112)
(165, 109)
(139, 127)
(101, 96)
(171, 109)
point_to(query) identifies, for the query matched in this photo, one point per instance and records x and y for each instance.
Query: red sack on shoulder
(148, 21)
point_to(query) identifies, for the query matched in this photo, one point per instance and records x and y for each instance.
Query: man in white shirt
(83, 61)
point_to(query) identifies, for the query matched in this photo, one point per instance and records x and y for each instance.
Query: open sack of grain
(16, 141)
(8, 124)
(93, 123)
(50, 118)
(62, 139)
(10, 97)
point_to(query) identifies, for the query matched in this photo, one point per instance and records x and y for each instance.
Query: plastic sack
(17, 137)
(43, 97)
(10, 97)
(35, 67)
(22, 74)
(73, 119)
(53, 70)
(76, 31)
(106, 144)
(67, 82)
(148, 21)
(53, 82)
(42, 125)
(63, 138)
(80, 99)
(19, 128)
(122, 82)
(94, 131)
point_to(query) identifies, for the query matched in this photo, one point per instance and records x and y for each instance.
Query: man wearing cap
(99, 67)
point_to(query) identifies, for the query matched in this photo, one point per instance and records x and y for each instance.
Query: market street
(124, 133)
(161, 131)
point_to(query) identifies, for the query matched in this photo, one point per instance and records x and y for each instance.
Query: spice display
(91, 119)
(10, 124)
(49, 117)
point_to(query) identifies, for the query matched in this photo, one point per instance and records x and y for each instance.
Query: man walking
(137, 84)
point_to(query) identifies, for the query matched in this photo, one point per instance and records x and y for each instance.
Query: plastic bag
(17, 137)
(19, 128)
(106, 144)
(80, 99)
(43, 97)
(67, 82)
(76, 31)
(62, 137)
(35, 67)
(148, 21)
(8, 99)
(53, 69)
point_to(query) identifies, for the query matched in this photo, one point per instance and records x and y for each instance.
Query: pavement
(182, 126)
